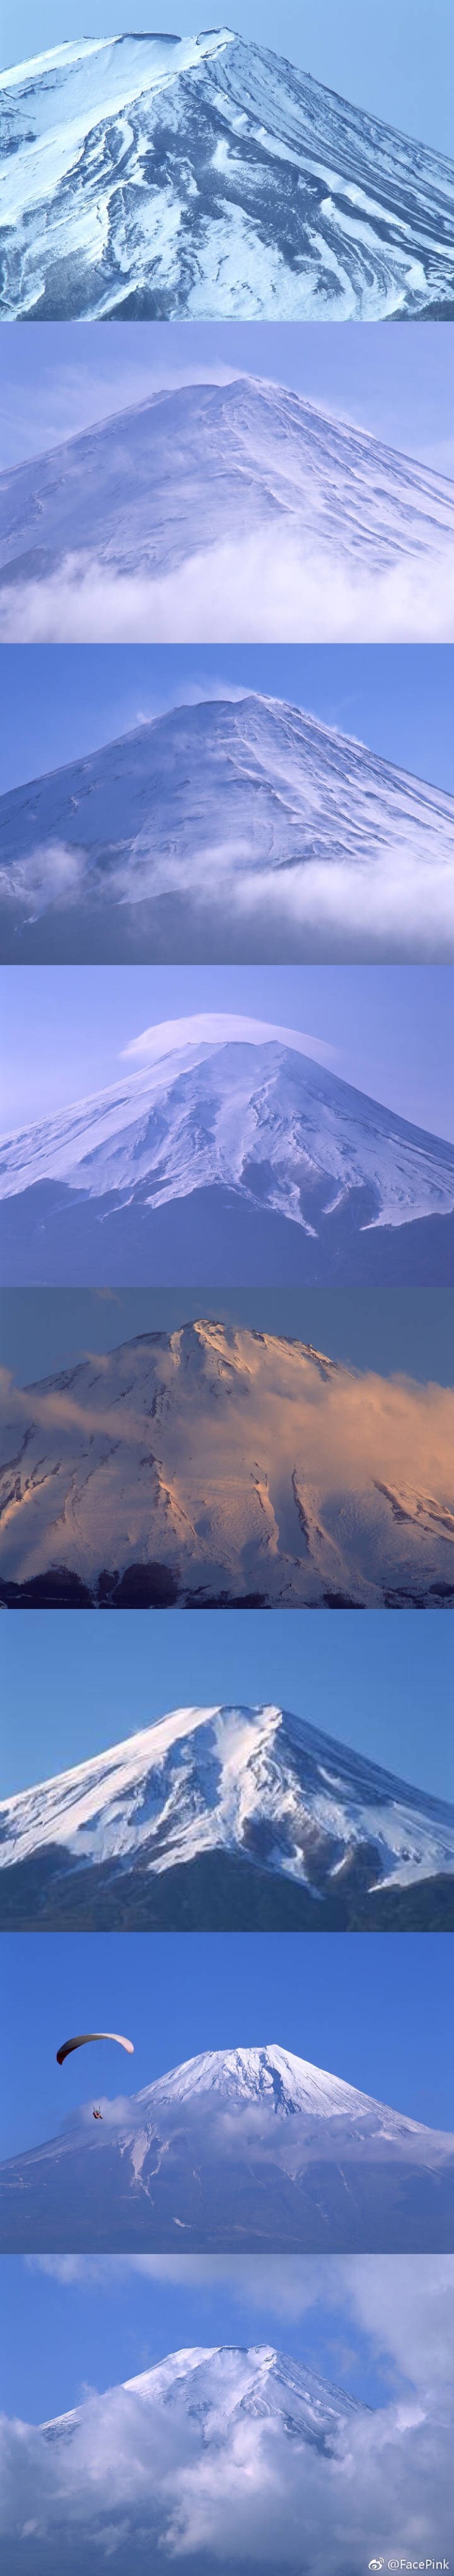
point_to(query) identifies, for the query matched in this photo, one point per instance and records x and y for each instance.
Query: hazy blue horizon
(393, 60)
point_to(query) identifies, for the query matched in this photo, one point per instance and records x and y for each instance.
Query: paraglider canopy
(83, 2040)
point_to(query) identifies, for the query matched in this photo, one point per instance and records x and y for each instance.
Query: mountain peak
(211, 130)
(230, 827)
(224, 2381)
(273, 2080)
(176, 1468)
(227, 1103)
(259, 1783)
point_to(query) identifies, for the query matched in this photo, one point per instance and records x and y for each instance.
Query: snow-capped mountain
(241, 2148)
(159, 176)
(244, 2459)
(219, 1464)
(256, 1783)
(229, 829)
(221, 2385)
(225, 512)
(237, 1111)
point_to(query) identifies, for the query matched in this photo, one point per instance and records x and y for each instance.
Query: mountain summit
(216, 1465)
(244, 2459)
(234, 829)
(221, 2385)
(238, 2149)
(227, 1114)
(207, 1800)
(157, 176)
(225, 512)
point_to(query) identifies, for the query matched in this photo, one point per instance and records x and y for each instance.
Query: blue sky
(373, 2009)
(397, 382)
(59, 704)
(72, 2324)
(73, 1685)
(403, 1330)
(389, 1030)
(395, 58)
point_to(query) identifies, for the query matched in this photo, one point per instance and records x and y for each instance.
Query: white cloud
(141, 2485)
(52, 873)
(267, 589)
(209, 1029)
(403, 2303)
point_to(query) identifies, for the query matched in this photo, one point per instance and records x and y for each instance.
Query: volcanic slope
(221, 2385)
(242, 2458)
(216, 1464)
(231, 829)
(153, 177)
(238, 2149)
(229, 1143)
(166, 1813)
(156, 519)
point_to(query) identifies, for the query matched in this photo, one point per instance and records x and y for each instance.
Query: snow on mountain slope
(155, 177)
(257, 1781)
(153, 521)
(219, 1463)
(229, 828)
(278, 2082)
(243, 2147)
(242, 2459)
(255, 1116)
(221, 2386)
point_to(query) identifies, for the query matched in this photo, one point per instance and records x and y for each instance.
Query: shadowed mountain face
(219, 1465)
(287, 1804)
(225, 512)
(248, 1128)
(227, 830)
(153, 177)
(241, 2149)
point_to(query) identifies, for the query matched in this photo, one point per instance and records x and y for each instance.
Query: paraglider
(83, 2041)
(86, 2035)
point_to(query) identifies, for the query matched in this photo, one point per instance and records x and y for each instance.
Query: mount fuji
(230, 1149)
(216, 1465)
(226, 1816)
(152, 176)
(217, 512)
(229, 830)
(238, 2150)
(242, 2459)
(222, 2385)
